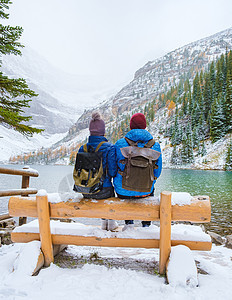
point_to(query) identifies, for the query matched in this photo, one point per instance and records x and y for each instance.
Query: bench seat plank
(58, 239)
(88, 235)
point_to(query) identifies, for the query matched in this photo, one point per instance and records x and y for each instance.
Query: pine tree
(187, 155)
(202, 150)
(228, 164)
(217, 121)
(190, 148)
(195, 137)
(184, 150)
(212, 77)
(15, 94)
(202, 127)
(219, 78)
(207, 96)
(175, 157)
(195, 114)
(185, 104)
(228, 102)
(176, 133)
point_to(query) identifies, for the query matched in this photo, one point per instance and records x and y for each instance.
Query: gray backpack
(140, 163)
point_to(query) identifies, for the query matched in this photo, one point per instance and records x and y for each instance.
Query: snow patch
(182, 269)
(26, 261)
(42, 193)
(181, 198)
(178, 231)
(54, 197)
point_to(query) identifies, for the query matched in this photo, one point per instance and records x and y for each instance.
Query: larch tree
(15, 94)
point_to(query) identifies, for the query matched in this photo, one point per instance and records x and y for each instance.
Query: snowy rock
(181, 269)
(229, 241)
(5, 236)
(216, 238)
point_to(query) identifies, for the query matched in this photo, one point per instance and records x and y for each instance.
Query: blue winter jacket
(134, 135)
(108, 156)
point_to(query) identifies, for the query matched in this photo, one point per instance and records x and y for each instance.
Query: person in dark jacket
(137, 133)
(97, 132)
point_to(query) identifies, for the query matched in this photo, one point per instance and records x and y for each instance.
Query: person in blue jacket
(137, 133)
(97, 132)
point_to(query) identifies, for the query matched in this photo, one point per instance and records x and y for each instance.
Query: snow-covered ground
(99, 282)
(88, 277)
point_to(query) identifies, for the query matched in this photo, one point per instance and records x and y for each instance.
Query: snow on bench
(178, 231)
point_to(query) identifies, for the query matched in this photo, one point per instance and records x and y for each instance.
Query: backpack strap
(149, 144)
(104, 171)
(131, 143)
(85, 148)
(99, 145)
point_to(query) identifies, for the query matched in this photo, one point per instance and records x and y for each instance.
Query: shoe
(104, 224)
(112, 225)
(128, 227)
(146, 223)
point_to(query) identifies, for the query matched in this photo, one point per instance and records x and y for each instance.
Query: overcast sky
(113, 38)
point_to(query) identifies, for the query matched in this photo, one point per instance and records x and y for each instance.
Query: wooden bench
(198, 211)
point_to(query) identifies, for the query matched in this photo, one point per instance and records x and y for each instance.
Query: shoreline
(166, 167)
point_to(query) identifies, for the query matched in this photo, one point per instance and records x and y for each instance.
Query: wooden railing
(26, 173)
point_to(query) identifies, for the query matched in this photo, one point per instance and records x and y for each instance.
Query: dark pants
(127, 222)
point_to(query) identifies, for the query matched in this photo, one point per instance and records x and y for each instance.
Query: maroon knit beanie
(96, 125)
(138, 121)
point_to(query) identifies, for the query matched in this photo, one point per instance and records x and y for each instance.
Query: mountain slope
(151, 82)
(158, 76)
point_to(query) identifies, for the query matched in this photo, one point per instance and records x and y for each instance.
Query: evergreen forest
(197, 110)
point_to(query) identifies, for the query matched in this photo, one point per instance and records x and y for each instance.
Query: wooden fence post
(25, 184)
(165, 230)
(44, 229)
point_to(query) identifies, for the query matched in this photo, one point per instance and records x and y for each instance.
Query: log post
(165, 230)
(44, 229)
(25, 184)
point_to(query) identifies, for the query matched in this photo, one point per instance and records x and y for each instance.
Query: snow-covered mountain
(61, 99)
(158, 76)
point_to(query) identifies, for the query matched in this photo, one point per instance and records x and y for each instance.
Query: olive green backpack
(88, 172)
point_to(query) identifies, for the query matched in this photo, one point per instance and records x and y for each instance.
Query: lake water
(216, 184)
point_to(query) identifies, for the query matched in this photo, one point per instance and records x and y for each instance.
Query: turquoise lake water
(216, 184)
